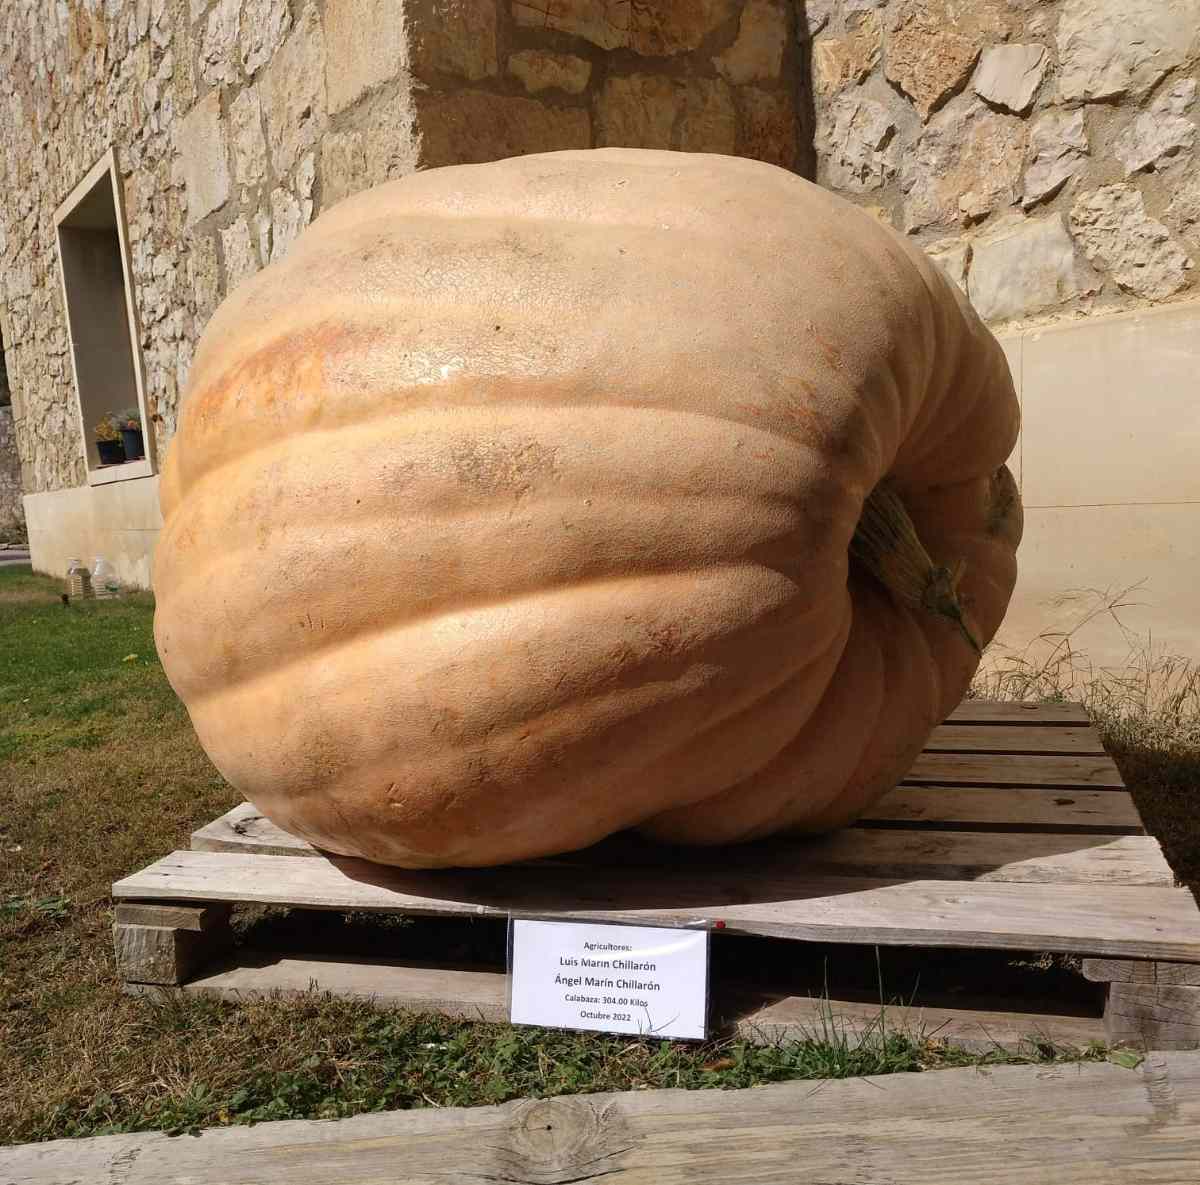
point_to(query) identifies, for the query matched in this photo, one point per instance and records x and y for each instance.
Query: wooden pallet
(1013, 832)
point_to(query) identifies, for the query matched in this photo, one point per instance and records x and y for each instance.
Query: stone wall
(1044, 152)
(236, 121)
(12, 512)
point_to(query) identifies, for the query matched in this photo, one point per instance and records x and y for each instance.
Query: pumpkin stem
(887, 545)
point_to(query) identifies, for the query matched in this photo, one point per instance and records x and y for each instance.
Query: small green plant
(55, 907)
(107, 428)
(128, 417)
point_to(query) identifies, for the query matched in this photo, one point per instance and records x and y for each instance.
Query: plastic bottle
(79, 582)
(104, 579)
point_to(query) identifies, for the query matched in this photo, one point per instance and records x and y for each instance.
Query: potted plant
(108, 441)
(129, 421)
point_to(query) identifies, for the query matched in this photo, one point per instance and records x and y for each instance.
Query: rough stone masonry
(1043, 152)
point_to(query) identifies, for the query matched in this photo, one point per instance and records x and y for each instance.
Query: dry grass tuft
(1147, 710)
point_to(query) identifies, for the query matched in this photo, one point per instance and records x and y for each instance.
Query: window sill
(124, 472)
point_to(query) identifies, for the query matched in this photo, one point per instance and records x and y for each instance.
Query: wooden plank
(177, 917)
(483, 995)
(767, 895)
(159, 954)
(1105, 812)
(1031, 858)
(467, 994)
(244, 829)
(1015, 769)
(858, 852)
(1131, 971)
(983, 711)
(1037, 1125)
(1009, 738)
(795, 1018)
(1153, 1016)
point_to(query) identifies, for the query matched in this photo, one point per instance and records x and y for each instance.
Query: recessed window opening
(5, 390)
(101, 325)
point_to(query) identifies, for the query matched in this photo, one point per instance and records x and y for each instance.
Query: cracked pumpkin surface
(513, 508)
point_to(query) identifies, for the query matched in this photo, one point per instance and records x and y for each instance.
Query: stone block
(201, 143)
(769, 126)
(953, 256)
(1057, 145)
(1008, 76)
(661, 29)
(218, 57)
(1183, 211)
(366, 46)
(239, 252)
(456, 37)
(540, 70)
(839, 61)
(389, 129)
(293, 92)
(757, 54)
(469, 127)
(817, 14)
(1162, 135)
(287, 221)
(264, 24)
(1026, 265)
(857, 143)
(930, 51)
(966, 164)
(650, 111)
(249, 143)
(343, 166)
(1108, 48)
(1119, 237)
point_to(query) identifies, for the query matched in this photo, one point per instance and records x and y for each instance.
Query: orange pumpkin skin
(512, 509)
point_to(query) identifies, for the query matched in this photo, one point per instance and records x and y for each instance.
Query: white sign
(646, 980)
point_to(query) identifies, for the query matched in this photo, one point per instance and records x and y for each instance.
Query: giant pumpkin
(515, 507)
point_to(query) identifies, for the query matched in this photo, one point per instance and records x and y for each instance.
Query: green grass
(70, 675)
(100, 773)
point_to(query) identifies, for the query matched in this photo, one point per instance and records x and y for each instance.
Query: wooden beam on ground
(767, 895)
(1038, 1125)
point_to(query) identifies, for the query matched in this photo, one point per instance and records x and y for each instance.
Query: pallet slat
(768, 898)
(1050, 857)
(1038, 1125)
(1007, 738)
(796, 1017)
(985, 807)
(1017, 858)
(1015, 769)
(483, 995)
(983, 711)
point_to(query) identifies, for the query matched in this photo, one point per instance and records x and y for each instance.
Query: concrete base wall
(1109, 468)
(119, 521)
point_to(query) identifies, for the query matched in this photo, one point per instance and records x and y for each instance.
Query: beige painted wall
(1109, 467)
(119, 521)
